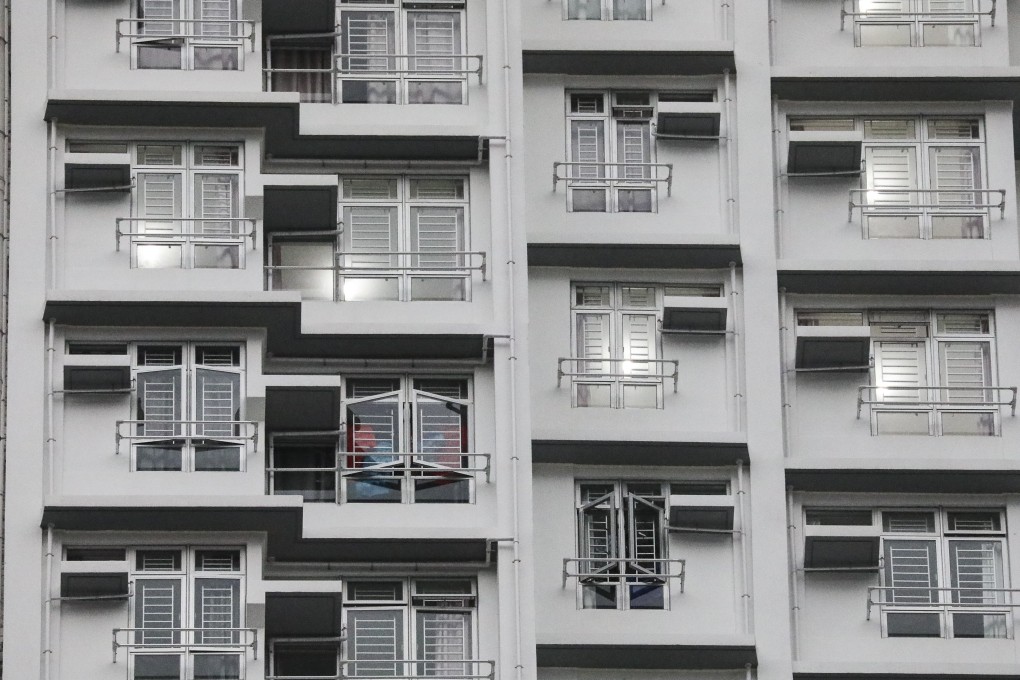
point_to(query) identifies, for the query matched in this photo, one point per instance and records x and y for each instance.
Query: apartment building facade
(492, 340)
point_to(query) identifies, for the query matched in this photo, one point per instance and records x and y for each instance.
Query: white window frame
(615, 175)
(408, 610)
(399, 69)
(607, 10)
(186, 577)
(188, 404)
(403, 206)
(615, 311)
(910, 15)
(188, 232)
(623, 535)
(405, 398)
(933, 341)
(941, 538)
(183, 31)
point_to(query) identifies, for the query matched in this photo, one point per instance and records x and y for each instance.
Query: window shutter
(159, 197)
(587, 145)
(371, 234)
(638, 343)
(221, 13)
(888, 6)
(965, 364)
(444, 643)
(597, 534)
(376, 640)
(217, 607)
(440, 427)
(975, 566)
(159, 403)
(593, 342)
(431, 38)
(633, 146)
(911, 570)
(899, 365)
(890, 172)
(436, 233)
(365, 34)
(158, 611)
(955, 173)
(216, 197)
(154, 12)
(949, 6)
(646, 521)
(217, 399)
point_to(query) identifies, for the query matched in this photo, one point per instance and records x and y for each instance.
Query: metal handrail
(408, 60)
(187, 639)
(473, 669)
(608, 177)
(878, 15)
(186, 236)
(866, 396)
(675, 375)
(628, 569)
(189, 432)
(893, 207)
(211, 39)
(1008, 602)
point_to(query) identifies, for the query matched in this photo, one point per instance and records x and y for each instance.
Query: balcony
(309, 65)
(894, 27)
(928, 398)
(185, 639)
(624, 570)
(174, 43)
(613, 175)
(211, 243)
(591, 368)
(942, 600)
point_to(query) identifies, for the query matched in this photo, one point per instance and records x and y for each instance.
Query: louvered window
(916, 23)
(189, 207)
(407, 54)
(188, 408)
(606, 10)
(187, 614)
(410, 628)
(405, 239)
(408, 440)
(621, 542)
(943, 574)
(923, 178)
(934, 373)
(610, 166)
(616, 346)
(189, 34)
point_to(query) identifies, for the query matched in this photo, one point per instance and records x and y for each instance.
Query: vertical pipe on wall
(731, 166)
(738, 364)
(50, 432)
(784, 375)
(794, 580)
(51, 218)
(47, 652)
(745, 596)
(777, 189)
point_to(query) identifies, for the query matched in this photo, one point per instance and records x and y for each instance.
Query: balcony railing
(914, 397)
(923, 598)
(201, 31)
(187, 432)
(185, 639)
(913, 17)
(412, 669)
(613, 175)
(321, 84)
(623, 570)
(206, 230)
(632, 369)
(402, 265)
(888, 201)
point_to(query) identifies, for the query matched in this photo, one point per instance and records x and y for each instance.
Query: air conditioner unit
(823, 153)
(97, 171)
(854, 548)
(705, 512)
(694, 313)
(833, 347)
(97, 372)
(685, 120)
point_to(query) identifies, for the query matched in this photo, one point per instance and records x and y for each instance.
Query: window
(188, 34)
(411, 628)
(402, 239)
(611, 156)
(906, 23)
(408, 441)
(616, 10)
(923, 177)
(622, 545)
(187, 615)
(616, 347)
(187, 409)
(188, 204)
(944, 574)
(403, 52)
(933, 372)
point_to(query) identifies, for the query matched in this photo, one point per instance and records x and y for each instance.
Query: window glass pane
(157, 666)
(975, 569)
(211, 458)
(908, 522)
(315, 276)
(633, 150)
(641, 297)
(588, 200)
(598, 596)
(215, 58)
(369, 289)
(647, 596)
(630, 9)
(963, 365)
(376, 641)
(979, 625)
(884, 35)
(587, 145)
(634, 200)
(593, 395)
(158, 560)
(968, 423)
(444, 642)
(311, 74)
(954, 128)
(911, 571)
(830, 319)
(217, 256)
(366, 38)
(313, 486)
(435, 92)
(949, 35)
(159, 403)
(822, 124)
(165, 55)
(373, 188)
(887, 128)
(592, 296)
(436, 189)
(217, 610)
(217, 560)
(837, 517)
(912, 625)
(368, 91)
(153, 256)
(587, 102)
(158, 611)
(433, 288)
(584, 9)
(955, 173)
(216, 202)
(159, 154)
(159, 197)
(893, 226)
(974, 521)
(217, 667)
(958, 226)
(149, 458)
(387, 591)
(217, 400)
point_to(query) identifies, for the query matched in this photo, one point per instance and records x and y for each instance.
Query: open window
(823, 147)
